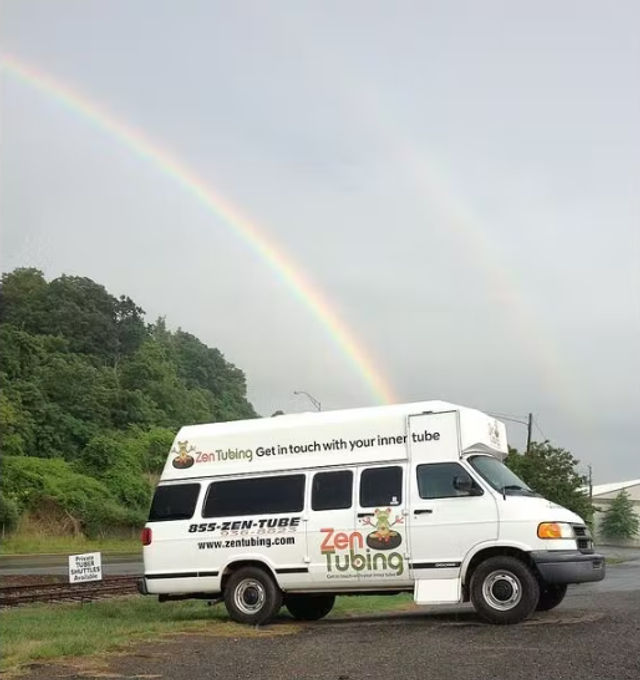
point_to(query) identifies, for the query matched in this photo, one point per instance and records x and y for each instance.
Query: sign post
(86, 567)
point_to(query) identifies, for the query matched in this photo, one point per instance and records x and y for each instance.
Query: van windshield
(500, 477)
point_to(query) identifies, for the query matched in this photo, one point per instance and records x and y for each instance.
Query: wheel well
(234, 566)
(481, 556)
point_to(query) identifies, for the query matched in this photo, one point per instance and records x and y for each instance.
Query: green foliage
(552, 473)
(9, 512)
(620, 519)
(84, 379)
(36, 483)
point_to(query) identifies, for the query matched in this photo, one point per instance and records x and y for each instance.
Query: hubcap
(502, 590)
(249, 596)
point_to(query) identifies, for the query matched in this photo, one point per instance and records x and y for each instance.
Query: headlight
(555, 530)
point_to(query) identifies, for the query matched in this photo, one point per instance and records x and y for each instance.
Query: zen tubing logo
(345, 551)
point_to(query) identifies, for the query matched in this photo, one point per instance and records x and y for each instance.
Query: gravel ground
(595, 635)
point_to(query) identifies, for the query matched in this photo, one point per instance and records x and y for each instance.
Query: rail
(12, 596)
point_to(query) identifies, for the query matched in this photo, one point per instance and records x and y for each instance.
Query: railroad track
(12, 596)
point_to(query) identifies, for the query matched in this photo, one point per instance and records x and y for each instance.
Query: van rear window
(257, 496)
(174, 501)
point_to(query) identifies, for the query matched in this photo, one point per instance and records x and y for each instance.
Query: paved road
(594, 634)
(113, 564)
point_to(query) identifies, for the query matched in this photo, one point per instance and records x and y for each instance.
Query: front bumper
(568, 566)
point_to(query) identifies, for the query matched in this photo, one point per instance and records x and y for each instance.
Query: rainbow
(248, 231)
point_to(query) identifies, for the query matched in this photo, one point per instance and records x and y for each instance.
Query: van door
(331, 523)
(450, 513)
(379, 549)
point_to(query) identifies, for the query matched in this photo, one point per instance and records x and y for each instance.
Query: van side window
(256, 496)
(174, 501)
(332, 490)
(437, 480)
(381, 486)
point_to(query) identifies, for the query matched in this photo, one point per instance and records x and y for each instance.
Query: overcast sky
(461, 180)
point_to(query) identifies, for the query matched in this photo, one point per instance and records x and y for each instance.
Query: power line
(544, 436)
(511, 418)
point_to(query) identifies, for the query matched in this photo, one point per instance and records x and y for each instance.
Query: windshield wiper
(517, 487)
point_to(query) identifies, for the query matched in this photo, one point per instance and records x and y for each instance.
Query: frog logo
(183, 460)
(383, 538)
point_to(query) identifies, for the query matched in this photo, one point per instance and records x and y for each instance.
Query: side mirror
(465, 484)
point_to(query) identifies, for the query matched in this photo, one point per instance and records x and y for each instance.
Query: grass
(38, 633)
(39, 544)
(360, 605)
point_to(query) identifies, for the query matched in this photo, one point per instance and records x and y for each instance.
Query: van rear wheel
(309, 607)
(252, 596)
(504, 590)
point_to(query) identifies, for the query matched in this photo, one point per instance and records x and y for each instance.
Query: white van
(300, 508)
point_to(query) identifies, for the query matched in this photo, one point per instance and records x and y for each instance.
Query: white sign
(87, 567)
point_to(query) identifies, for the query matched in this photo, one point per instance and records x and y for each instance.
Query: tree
(84, 313)
(552, 473)
(620, 520)
(130, 327)
(23, 301)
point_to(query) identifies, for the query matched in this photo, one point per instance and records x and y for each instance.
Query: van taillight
(146, 536)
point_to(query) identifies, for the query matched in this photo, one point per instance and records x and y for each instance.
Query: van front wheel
(551, 596)
(309, 607)
(504, 590)
(252, 596)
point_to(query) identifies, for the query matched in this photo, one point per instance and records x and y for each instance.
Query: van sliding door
(379, 552)
(330, 527)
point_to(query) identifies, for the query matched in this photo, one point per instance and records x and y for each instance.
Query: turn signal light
(549, 530)
(146, 536)
(555, 530)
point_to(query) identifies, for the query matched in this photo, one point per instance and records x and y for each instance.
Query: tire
(504, 590)
(252, 596)
(551, 596)
(309, 607)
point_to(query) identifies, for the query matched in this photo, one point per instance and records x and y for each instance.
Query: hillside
(90, 398)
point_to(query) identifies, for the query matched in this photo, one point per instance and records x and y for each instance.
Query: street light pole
(311, 398)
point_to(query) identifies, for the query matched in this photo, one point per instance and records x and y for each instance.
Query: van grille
(583, 538)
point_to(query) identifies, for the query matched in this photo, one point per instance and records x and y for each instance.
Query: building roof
(613, 487)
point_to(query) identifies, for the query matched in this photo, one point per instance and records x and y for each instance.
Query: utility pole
(529, 426)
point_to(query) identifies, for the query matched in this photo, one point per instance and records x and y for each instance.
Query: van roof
(232, 445)
(289, 420)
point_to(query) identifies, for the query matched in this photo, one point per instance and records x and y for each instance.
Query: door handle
(365, 514)
(423, 511)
